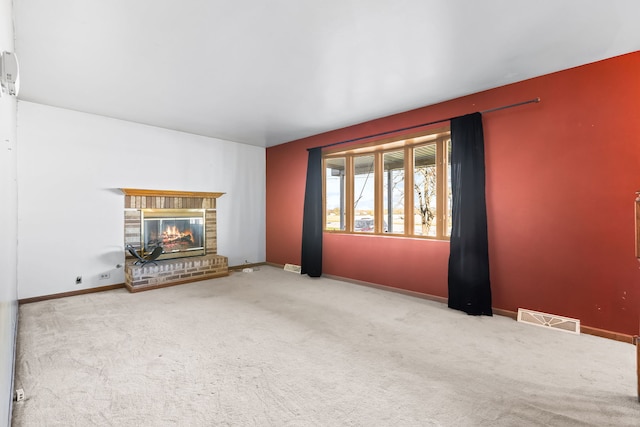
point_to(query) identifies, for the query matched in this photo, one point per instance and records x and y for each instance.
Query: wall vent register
(552, 321)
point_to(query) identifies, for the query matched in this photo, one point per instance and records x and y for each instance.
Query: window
(393, 191)
(398, 187)
(334, 193)
(363, 194)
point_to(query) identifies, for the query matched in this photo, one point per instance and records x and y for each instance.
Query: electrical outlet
(105, 276)
(78, 280)
(19, 396)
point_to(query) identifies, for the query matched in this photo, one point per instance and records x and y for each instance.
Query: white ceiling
(264, 72)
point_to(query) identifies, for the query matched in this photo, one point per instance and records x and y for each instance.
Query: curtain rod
(504, 107)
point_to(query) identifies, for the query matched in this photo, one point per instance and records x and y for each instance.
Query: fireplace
(180, 232)
(184, 224)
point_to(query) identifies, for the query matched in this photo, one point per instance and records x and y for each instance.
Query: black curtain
(469, 285)
(312, 219)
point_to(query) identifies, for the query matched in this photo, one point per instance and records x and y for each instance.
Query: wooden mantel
(136, 198)
(169, 193)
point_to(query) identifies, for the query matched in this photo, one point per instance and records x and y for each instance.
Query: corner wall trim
(250, 265)
(71, 293)
(606, 334)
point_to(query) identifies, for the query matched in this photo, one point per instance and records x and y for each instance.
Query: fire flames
(173, 234)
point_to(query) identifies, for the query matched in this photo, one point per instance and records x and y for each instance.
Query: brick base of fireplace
(174, 272)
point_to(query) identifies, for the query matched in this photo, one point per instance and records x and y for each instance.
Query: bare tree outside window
(425, 189)
(425, 198)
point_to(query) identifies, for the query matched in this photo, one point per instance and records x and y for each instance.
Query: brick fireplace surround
(175, 271)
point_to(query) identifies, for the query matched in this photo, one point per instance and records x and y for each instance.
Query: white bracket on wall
(9, 74)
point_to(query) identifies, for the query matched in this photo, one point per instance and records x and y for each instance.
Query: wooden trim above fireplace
(169, 193)
(136, 198)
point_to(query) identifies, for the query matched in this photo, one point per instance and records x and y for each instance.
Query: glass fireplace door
(179, 232)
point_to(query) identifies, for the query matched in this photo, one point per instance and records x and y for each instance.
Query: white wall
(70, 213)
(8, 219)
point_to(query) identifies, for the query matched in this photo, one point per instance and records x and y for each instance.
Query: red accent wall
(561, 181)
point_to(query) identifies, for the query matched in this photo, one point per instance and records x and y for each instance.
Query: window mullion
(349, 184)
(408, 192)
(440, 199)
(378, 188)
(324, 194)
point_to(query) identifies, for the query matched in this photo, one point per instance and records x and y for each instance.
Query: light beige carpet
(273, 348)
